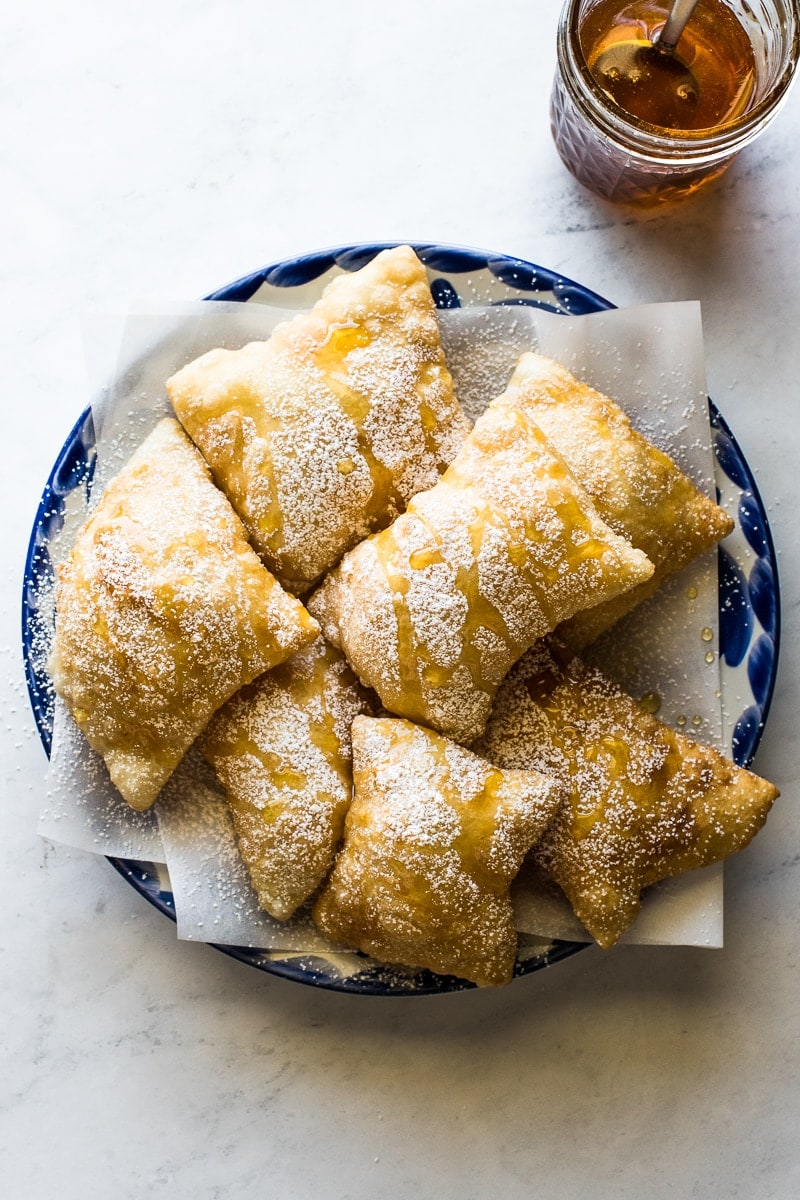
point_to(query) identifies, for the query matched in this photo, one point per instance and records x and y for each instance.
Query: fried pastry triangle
(163, 611)
(322, 434)
(637, 489)
(433, 611)
(433, 839)
(281, 749)
(644, 802)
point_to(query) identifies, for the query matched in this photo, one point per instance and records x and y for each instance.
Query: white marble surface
(159, 150)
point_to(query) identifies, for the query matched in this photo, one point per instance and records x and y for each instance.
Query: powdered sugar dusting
(323, 433)
(638, 490)
(214, 901)
(645, 802)
(506, 543)
(162, 612)
(432, 840)
(281, 749)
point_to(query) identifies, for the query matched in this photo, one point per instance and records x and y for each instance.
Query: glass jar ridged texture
(623, 158)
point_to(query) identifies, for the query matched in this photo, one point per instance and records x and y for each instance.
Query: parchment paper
(651, 360)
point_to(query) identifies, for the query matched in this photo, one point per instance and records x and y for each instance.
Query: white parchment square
(650, 359)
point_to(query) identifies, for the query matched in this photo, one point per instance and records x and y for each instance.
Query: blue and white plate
(749, 606)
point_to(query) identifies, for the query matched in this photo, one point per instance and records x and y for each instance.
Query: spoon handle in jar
(675, 24)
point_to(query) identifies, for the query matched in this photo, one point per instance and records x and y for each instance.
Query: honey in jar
(707, 81)
(643, 125)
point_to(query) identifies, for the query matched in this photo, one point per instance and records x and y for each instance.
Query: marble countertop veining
(157, 152)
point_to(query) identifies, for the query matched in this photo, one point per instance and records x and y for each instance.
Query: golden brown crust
(162, 612)
(281, 749)
(645, 802)
(433, 611)
(433, 838)
(322, 434)
(637, 489)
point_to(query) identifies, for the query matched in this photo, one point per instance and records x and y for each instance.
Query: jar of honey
(639, 124)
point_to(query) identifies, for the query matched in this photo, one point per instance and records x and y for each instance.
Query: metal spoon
(650, 80)
(675, 24)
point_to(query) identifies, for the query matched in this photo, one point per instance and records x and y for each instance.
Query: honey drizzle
(408, 650)
(578, 739)
(330, 359)
(481, 613)
(416, 667)
(230, 419)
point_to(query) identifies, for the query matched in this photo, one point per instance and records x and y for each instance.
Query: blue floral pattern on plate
(749, 604)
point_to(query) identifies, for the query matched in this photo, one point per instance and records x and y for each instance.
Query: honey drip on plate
(708, 81)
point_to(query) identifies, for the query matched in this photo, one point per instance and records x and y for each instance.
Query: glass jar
(626, 159)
